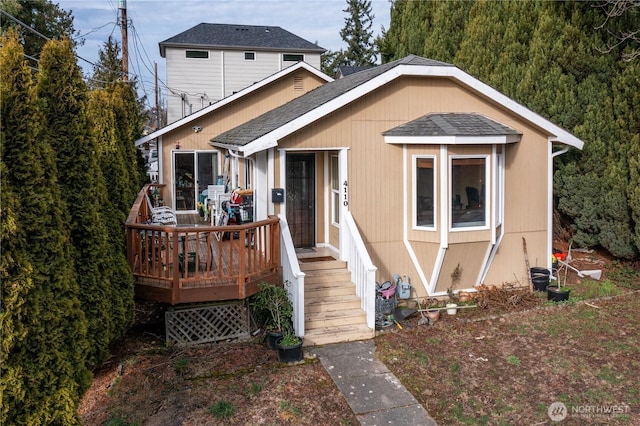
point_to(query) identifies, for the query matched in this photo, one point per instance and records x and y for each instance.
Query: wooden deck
(194, 262)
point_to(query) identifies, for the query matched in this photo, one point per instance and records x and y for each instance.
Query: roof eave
(453, 140)
(222, 102)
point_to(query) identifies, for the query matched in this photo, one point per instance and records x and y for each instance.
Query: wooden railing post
(175, 283)
(241, 264)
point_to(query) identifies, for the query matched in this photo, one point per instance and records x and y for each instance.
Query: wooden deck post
(175, 283)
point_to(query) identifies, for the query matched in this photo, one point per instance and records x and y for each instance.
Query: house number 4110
(345, 202)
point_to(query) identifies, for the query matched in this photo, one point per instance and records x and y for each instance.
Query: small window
(468, 179)
(335, 190)
(287, 57)
(424, 192)
(197, 54)
(249, 56)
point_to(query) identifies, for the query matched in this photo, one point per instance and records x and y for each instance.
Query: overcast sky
(151, 22)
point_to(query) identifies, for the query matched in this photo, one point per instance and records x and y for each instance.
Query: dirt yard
(503, 362)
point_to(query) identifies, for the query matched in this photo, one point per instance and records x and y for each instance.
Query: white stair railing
(363, 271)
(292, 275)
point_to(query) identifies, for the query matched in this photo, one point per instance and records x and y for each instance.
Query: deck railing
(200, 263)
(363, 271)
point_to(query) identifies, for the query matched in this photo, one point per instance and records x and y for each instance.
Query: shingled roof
(263, 132)
(452, 124)
(227, 36)
(269, 121)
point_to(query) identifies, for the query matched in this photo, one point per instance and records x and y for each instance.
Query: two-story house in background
(210, 62)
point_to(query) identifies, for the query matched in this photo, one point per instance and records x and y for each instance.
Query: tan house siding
(229, 116)
(376, 185)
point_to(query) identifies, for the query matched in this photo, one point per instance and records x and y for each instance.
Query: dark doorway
(300, 179)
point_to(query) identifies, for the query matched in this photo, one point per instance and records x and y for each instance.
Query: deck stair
(332, 308)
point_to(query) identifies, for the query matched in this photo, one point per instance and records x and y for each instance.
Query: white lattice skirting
(208, 323)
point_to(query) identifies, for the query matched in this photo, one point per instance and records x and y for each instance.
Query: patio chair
(162, 215)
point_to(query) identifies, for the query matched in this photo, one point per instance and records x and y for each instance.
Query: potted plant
(557, 292)
(272, 305)
(289, 347)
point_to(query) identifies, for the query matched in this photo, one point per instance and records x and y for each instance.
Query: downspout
(550, 198)
(236, 156)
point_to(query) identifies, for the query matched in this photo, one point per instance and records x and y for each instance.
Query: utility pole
(155, 72)
(122, 6)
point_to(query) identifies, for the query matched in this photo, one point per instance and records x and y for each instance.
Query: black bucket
(540, 278)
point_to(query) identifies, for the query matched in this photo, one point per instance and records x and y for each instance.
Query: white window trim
(487, 195)
(335, 193)
(414, 196)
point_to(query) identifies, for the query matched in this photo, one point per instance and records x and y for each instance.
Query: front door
(300, 181)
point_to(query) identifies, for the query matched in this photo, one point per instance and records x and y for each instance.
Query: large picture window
(468, 187)
(425, 192)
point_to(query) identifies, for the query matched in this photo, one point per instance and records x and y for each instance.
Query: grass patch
(288, 410)
(222, 410)
(254, 389)
(513, 360)
(624, 276)
(433, 340)
(596, 289)
(422, 358)
(180, 365)
(117, 419)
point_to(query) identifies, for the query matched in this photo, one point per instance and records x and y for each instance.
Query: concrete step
(344, 333)
(331, 303)
(315, 320)
(328, 264)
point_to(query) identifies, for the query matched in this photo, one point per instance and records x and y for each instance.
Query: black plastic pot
(540, 278)
(273, 337)
(289, 353)
(557, 295)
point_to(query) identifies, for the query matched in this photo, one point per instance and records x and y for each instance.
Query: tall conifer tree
(64, 94)
(43, 370)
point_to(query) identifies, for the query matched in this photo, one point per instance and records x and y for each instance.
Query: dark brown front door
(301, 198)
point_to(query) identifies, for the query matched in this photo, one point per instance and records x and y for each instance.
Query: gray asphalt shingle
(269, 121)
(259, 37)
(452, 124)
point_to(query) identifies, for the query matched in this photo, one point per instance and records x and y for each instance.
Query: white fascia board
(225, 101)
(560, 135)
(452, 140)
(321, 111)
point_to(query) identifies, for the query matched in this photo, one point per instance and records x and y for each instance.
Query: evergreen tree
(548, 56)
(42, 15)
(110, 160)
(64, 94)
(130, 117)
(108, 69)
(43, 372)
(358, 35)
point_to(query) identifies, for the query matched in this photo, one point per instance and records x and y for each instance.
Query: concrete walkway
(374, 394)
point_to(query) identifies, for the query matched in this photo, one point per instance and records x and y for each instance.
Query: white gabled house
(210, 62)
